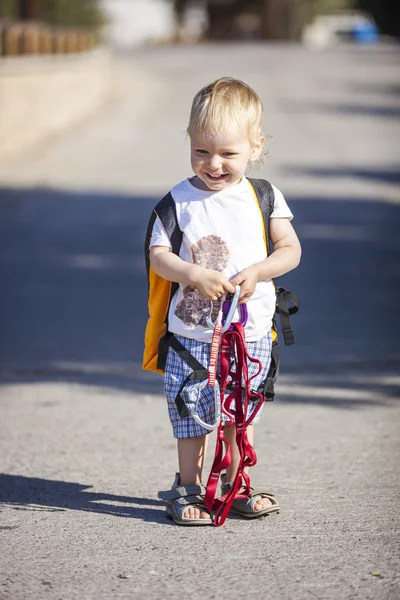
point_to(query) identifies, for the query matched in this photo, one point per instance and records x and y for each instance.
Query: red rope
(212, 369)
(233, 345)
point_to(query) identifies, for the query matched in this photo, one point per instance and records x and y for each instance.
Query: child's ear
(257, 148)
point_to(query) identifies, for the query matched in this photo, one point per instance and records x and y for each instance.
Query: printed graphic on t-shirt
(210, 252)
(223, 231)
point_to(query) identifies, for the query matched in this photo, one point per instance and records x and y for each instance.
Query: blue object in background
(365, 32)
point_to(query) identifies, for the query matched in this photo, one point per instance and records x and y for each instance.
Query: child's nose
(215, 161)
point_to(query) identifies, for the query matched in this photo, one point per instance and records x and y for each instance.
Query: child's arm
(284, 258)
(212, 284)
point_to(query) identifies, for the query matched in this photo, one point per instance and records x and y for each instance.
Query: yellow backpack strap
(160, 291)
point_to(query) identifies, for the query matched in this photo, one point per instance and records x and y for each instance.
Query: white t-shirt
(222, 231)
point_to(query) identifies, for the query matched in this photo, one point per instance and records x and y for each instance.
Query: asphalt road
(85, 441)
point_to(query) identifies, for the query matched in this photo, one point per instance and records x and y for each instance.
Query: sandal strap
(180, 506)
(182, 491)
(261, 493)
(225, 487)
(246, 505)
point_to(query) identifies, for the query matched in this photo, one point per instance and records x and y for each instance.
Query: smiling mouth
(217, 177)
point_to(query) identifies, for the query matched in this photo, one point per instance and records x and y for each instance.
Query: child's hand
(247, 279)
(212, 284)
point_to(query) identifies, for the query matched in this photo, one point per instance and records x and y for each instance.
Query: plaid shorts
(176, 371)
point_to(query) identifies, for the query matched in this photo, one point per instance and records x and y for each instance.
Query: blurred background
(36, 26)
(94, 102)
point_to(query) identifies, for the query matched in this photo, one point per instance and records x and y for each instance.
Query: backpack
(160, 293)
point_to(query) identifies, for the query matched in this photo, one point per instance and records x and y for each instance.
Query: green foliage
(315, 6)
(8, 9)
(72, 12)
(385, 12)
(85, 13)
(326, 7)
(237, 6)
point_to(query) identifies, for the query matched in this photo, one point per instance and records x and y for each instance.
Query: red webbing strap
(212, 368)
(233, 345)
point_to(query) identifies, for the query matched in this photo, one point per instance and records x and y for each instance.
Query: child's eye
(230, 154)
(202, 152)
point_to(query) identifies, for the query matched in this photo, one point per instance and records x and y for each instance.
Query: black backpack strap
(199, 373)
(165, 210)
(267, 386)
(147, 245)
(287, 304)
(284, 298)
(266, 200)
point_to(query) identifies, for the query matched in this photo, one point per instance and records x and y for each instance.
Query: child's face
(220, 159)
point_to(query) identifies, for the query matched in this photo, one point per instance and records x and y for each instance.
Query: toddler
(223, 246)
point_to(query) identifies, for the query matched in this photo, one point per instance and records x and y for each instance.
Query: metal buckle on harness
(212, 381)
(217, 404)
(227, 318)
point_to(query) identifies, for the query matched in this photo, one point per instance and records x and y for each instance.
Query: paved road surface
(85, 441)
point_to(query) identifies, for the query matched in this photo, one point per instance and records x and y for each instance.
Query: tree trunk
(221, 19)
(271, 20)
(28, 9)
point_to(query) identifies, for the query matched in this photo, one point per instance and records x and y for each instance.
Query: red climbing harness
(234, 388)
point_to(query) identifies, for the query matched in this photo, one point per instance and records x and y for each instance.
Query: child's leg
(230, 434)
(191, 455)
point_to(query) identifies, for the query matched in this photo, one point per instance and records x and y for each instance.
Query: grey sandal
(180, 498)
(245, 506)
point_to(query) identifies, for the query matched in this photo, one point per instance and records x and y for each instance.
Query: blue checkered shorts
(176, 371)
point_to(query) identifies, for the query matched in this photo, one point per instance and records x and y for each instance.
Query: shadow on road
(31, 493)
(374, 88)
(345, 108)
(391, 175)
(74, 298)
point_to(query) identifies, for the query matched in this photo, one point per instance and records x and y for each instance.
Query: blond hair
(224, 101)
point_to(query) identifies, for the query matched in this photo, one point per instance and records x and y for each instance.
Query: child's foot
(184, 504)
(262, 503)
(196, 512)
(257, 503)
